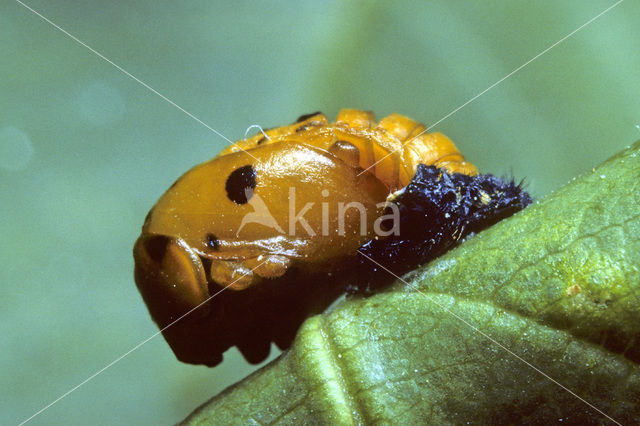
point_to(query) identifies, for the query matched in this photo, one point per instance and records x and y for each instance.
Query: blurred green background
(85, 150)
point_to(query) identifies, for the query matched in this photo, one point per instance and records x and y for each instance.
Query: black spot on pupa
(238, 182)
(309, 124)
(212, 242)
(305, 117)
(156, 246)
(262, 140)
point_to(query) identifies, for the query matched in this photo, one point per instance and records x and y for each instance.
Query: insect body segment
(390, 149)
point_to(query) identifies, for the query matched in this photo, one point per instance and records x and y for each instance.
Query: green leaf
(535, 320)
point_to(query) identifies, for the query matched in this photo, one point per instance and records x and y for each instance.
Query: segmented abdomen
(390, 149)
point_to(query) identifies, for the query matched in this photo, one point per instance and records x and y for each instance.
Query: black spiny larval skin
(437, 210)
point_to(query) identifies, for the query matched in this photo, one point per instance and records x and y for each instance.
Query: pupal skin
(250, 242)
(440, 209)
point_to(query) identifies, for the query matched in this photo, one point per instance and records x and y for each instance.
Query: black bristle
(437, 210)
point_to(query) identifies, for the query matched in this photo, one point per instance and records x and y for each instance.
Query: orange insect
(228, 223)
